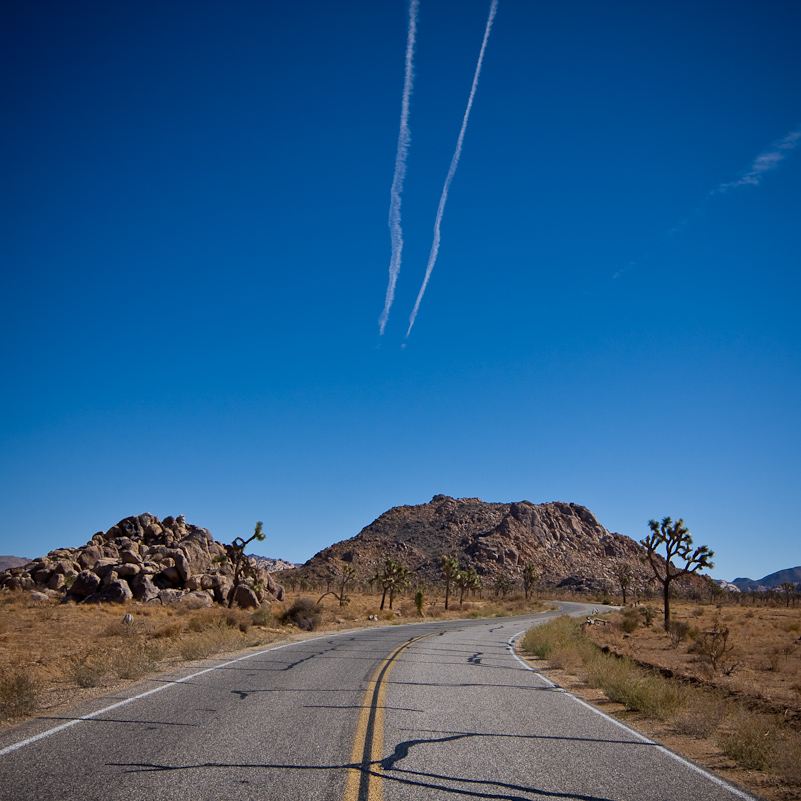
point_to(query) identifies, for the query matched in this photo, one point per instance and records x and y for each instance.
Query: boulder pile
(147, 560)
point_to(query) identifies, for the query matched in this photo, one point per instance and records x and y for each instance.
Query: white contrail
(404, 138)
(764, 162)
(454, 163)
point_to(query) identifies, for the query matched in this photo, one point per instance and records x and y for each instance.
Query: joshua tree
(476, 585)
(243, 567)
(466, 580)
(419, 602)
(502, 584)
(624, 574)
(450, 567)
(344, 576)
(677, 540)
(788, 588)
(530, 578)
(392, 578)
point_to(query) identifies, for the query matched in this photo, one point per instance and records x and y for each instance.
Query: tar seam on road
(364, 783)
(692, 766)
(61, 727)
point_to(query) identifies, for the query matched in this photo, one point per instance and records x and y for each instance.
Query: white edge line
(706, 774)
(171, 683)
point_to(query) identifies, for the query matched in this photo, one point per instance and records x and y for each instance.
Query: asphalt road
(440, 710)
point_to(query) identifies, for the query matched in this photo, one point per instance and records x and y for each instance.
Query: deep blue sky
(195, 253)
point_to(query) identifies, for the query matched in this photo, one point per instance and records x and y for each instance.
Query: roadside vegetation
(54, 655)
(687, 688)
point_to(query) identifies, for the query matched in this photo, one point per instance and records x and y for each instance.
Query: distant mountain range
(12, 561)
(771, 582)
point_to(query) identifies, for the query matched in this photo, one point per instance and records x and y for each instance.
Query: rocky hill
(269, 564)
(771, 582)
(565, 542)
(147, 560)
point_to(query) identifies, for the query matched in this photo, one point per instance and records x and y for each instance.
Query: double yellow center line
(364, 782)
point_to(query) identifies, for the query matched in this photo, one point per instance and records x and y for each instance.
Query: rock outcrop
(564, 541)
(148, 560)
(270, 565)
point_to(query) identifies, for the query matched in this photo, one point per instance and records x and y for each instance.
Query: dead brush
(749, 739)
(637, 689)
(169, 630)
(630, 620)
(204, 619)
(702, 715)
(714, 648)
(19, 695)
(87, 670)
(211, 640)
(262, 616)
(679, 631)
(135, 658)
(773, 660)
(543, 640)
(786, 763)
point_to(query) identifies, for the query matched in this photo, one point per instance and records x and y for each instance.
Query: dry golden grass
(55, 655)
(762, 662)
(66, 652)
(741, 718)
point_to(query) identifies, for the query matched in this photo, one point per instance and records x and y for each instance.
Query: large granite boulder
(141, 558)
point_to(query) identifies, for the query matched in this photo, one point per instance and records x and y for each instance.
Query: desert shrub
(678, 632)
(203, 619)
(630, 620)
(698, 611)
(543, 640)
(637, 689)
(786, 763)
(749, 741)
(713, 646)
(648, 613)
(212, 640)
(169, 630)
(135, 658)
(702, 715)
(86, 670)
(305, 614)
(773, 660)
(419, 600)
(238, 619)
(571, 656)
(262, 616)
(18, 695)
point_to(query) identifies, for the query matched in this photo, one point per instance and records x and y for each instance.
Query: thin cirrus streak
(404, 138)
(432, 258)
(764, 162)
